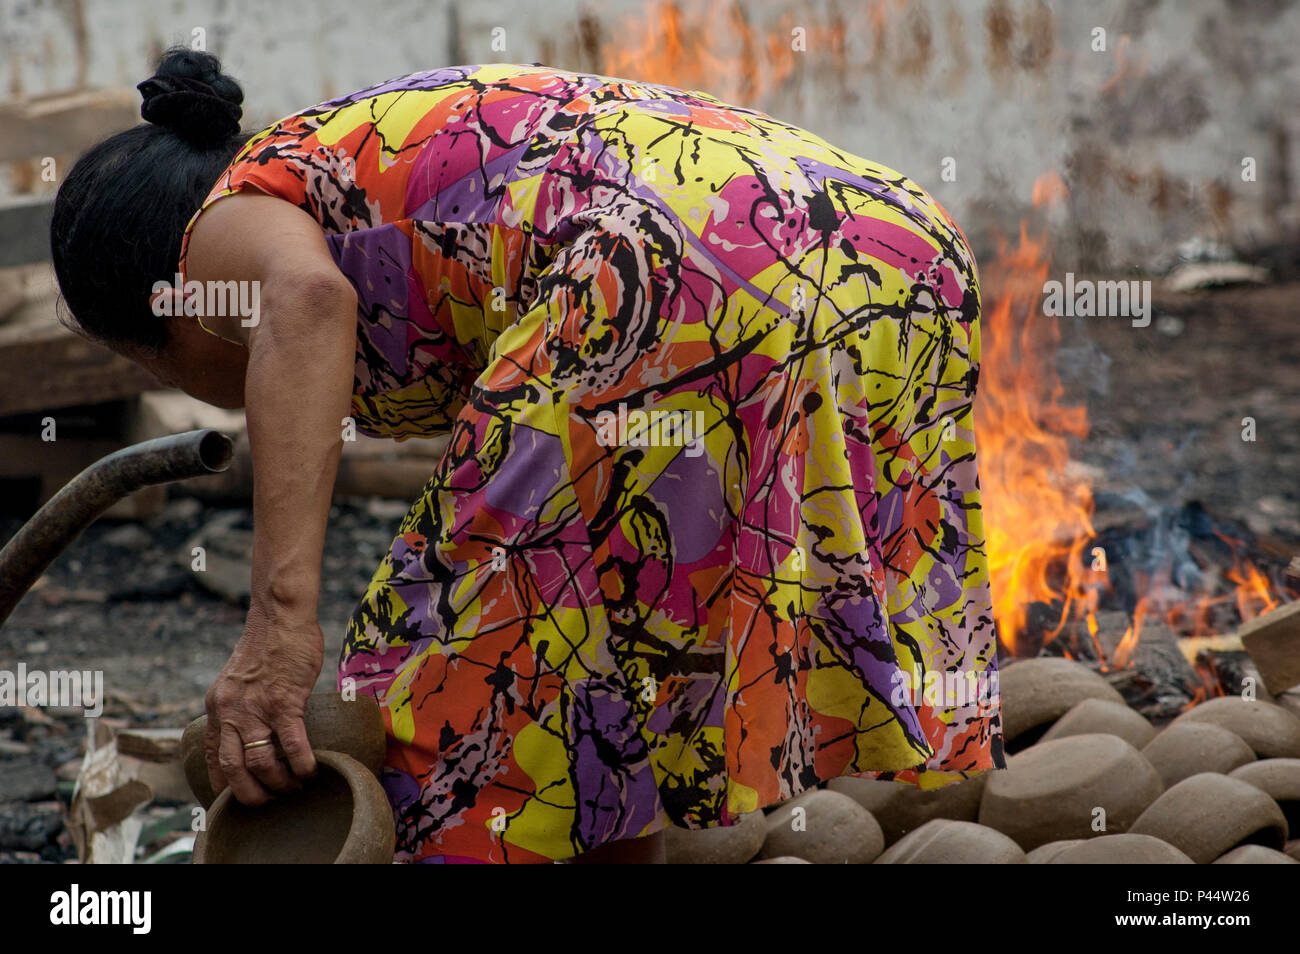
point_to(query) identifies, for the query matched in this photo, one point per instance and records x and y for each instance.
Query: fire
(1038, 513)
(1254, 593)
(1048, 189)
(1126, 67)
(712, 46)
(1038, 509)
(1124, 651)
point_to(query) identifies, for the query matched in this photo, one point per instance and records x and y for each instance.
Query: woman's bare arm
(297, 390)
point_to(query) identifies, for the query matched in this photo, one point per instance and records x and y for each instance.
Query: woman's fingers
(263, 762)
(231, 759)
(292, 734)
(211, 747)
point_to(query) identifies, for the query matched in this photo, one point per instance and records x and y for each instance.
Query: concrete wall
(1147, 135)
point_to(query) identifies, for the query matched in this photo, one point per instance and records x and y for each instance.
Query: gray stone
(227, 564)
(26, 780)
(129, 536)
(29, 826)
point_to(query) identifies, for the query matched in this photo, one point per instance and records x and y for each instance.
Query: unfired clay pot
(946, 842)
(340, 816)
(1053, 790)
(1037, 692)
(354, 727)
(1043, 854)
(719, 845)
(1273, 732)
(900, 808)
(1123, 849)
(1279, 779)
(1105, 716)
(1255, 855)
(831, 829)
(1208, 815)
(1184, 749)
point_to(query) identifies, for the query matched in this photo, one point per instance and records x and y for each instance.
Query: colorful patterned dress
(710, 505)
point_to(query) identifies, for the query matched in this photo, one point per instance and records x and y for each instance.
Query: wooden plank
(64, 124)
(55, 463)
(44, 366)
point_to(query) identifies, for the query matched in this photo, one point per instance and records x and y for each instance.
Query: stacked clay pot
(1088, 781)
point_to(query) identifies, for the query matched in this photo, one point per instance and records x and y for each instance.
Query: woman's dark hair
(120, 214)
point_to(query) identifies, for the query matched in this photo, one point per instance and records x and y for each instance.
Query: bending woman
(710, 512)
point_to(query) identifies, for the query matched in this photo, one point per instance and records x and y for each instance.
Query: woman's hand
(262, 693)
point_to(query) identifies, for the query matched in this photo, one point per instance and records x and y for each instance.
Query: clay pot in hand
(340, 816)
(355, 728)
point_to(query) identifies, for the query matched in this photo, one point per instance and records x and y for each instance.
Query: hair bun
(191, 96)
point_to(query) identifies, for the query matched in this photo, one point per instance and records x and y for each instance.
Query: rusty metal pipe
(75, 507)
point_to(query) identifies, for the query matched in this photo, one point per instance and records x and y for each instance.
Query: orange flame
(1036, 511)
(1254, 594)
(713, 47)
(1124, 651)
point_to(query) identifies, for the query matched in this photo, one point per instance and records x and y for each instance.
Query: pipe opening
(216, 451)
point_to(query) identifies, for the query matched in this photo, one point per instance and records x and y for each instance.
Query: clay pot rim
(361, 786)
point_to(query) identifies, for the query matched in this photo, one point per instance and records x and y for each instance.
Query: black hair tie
(189, 107)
